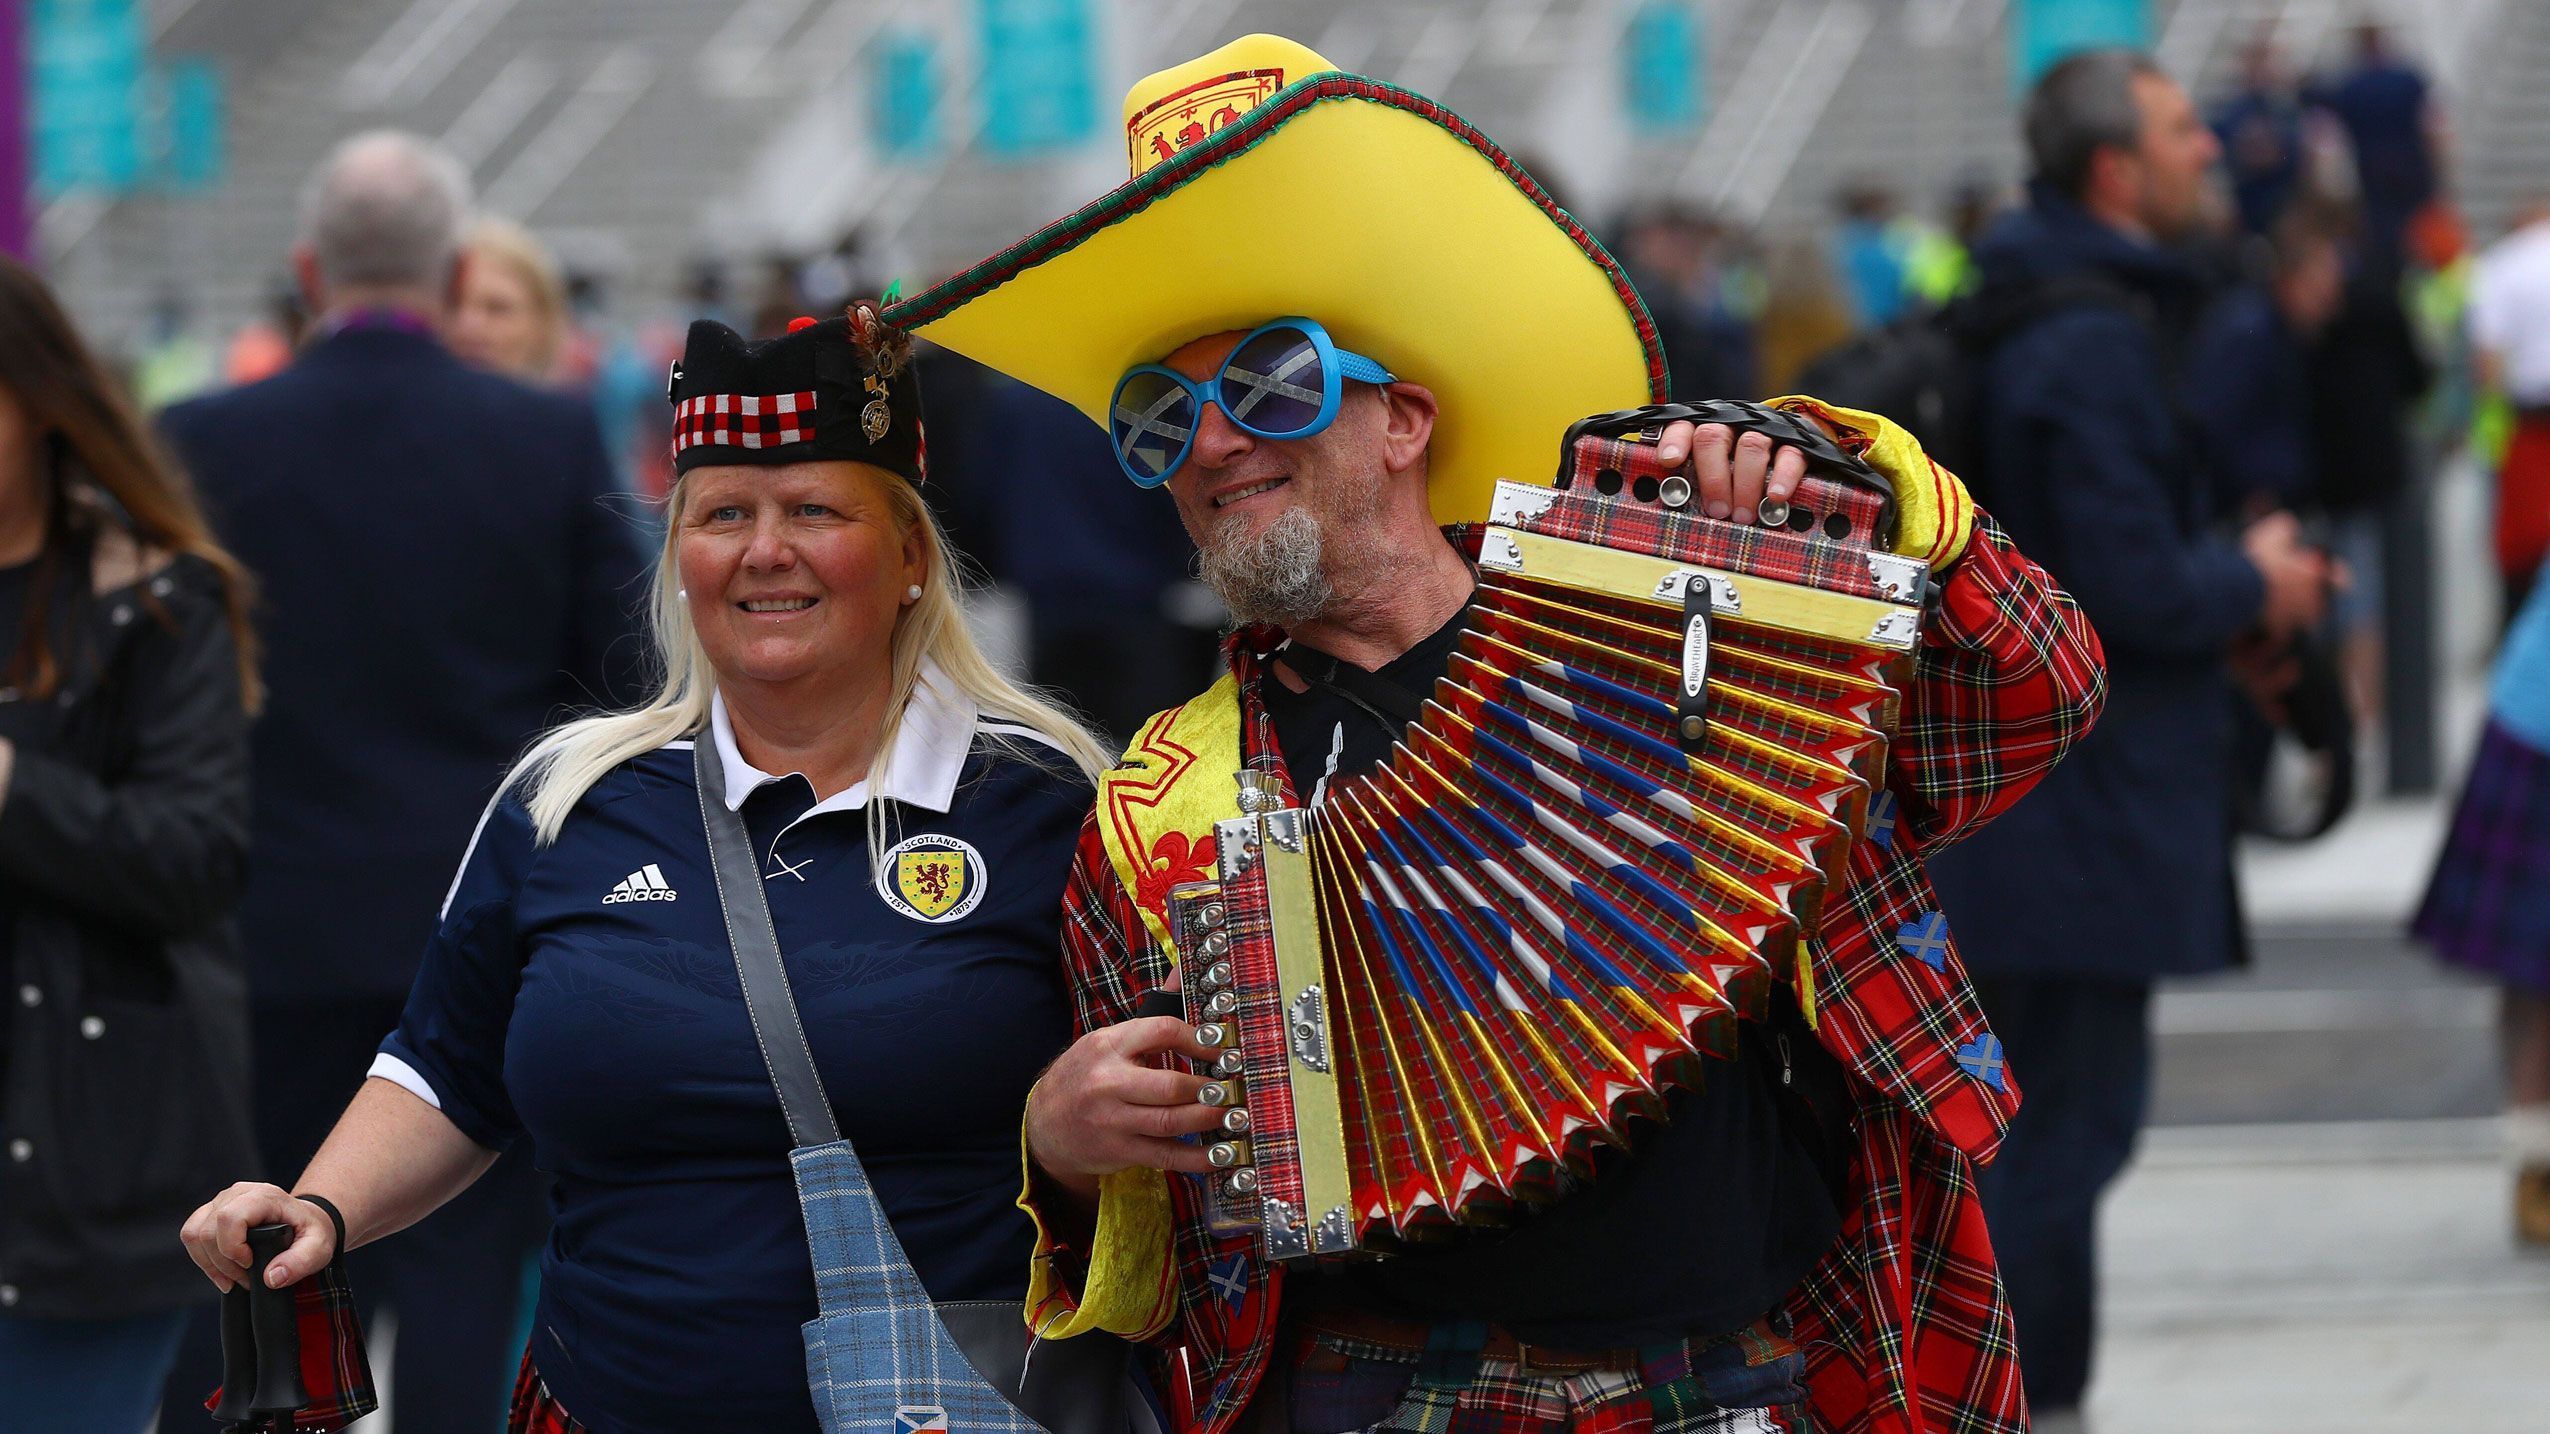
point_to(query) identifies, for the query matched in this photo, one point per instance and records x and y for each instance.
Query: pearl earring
(912, 593)
(683, 593)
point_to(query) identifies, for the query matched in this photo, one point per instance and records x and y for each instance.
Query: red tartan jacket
(1904, 1323)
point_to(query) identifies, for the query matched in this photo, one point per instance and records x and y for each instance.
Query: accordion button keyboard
(1218, 974)
(1240, 1182)
(1235, 1120)
(1229, 1063)
(1223, 1154)
(1222, 1003)
(1213, 1033)
(1216, 1093)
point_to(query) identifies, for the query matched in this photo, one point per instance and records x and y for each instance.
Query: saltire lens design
(1444, 990)
(1284, 379)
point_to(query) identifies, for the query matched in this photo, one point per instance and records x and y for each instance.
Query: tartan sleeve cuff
(1937, 516)
(1129, 1285)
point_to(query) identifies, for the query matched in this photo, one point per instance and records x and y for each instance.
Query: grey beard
(1276, 577)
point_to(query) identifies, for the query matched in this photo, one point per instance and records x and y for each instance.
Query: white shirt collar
(921, 769)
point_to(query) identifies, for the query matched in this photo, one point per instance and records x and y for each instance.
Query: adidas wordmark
(645, 884)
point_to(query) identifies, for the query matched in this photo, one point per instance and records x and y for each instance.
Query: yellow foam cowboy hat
(1267, 183)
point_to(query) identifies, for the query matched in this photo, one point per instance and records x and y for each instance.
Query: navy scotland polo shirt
(584, 993)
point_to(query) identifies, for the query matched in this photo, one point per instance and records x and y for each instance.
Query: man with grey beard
(1273, 576)
(1326, 317)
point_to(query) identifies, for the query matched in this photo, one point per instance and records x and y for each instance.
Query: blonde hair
(502, 242)
(563, 765)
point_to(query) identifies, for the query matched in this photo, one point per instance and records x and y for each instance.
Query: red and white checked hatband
(744, 420)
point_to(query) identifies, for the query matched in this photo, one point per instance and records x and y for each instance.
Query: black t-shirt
(1702, 1228)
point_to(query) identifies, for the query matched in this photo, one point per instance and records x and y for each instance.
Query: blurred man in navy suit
(444, 569)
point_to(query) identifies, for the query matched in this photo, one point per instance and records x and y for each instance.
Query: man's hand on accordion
(1734, 474)
(1105, 1105)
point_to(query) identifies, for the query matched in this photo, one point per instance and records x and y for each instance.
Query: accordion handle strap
(1825, 458)
(767, 999)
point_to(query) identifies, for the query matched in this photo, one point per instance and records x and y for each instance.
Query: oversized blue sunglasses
(1286, 379)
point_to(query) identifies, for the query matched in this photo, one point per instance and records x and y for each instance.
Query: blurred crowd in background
(2341, 274)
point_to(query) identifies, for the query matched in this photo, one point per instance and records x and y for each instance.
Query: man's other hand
(1103, 1106)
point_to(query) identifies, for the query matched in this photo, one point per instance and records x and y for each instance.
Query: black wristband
(335, 1217)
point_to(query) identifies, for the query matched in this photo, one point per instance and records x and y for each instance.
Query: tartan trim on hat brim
(743, 420)
(1166, 178)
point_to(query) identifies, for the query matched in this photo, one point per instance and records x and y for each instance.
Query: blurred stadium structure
(641, 135)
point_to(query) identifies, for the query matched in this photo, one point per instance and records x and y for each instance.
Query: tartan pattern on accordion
(1688, 536)
(744, 420)
(1260, 1022)
(336, 1369)
(1904, 1323)
(876, 1346)
(534, 1411)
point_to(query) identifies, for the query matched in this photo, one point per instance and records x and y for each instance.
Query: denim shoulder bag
(880, 1356)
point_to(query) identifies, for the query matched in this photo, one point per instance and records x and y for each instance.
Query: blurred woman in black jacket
(127, 675)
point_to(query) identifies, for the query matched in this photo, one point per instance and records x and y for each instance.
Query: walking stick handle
(276, 1326)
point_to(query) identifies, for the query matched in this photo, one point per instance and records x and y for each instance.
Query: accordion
(1438, 994)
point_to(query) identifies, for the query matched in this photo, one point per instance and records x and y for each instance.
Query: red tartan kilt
(534, 1412)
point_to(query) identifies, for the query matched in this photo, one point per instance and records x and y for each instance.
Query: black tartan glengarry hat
(836, 388)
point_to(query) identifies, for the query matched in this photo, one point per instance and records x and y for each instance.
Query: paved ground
(2314, 1239)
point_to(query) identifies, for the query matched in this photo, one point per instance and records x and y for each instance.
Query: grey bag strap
(767, 999)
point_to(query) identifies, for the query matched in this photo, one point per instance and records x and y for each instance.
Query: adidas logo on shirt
(645, 884)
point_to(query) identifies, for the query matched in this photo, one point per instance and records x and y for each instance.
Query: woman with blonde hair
(512, 317)
(808, 898)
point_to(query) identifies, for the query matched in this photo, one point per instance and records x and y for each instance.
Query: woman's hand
(1734, 474)
(1102, 1106)
(216, 1235)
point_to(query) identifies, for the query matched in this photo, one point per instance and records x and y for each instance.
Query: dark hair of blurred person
(127, 675)
(444, 573)
(64, 401)
(512, 315)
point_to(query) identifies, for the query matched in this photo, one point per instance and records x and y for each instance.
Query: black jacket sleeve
(160, 845)
(2150, 587)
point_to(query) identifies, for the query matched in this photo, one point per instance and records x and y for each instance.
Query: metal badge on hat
(885, 360)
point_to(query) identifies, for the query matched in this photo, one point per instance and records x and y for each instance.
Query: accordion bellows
(1603, 844)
